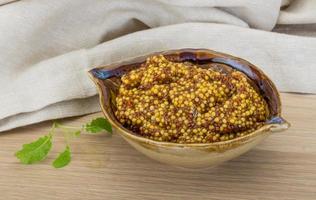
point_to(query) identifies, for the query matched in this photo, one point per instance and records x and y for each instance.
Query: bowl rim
(266, 129)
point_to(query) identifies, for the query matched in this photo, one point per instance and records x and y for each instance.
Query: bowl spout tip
(100, 73)
(278, 124)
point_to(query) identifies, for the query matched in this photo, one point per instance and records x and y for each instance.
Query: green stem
(69, 127)
(67, 138)
(51, 132)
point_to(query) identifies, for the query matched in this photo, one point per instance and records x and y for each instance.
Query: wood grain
(282, 167)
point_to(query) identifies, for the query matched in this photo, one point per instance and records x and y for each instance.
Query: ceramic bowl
(107, 80)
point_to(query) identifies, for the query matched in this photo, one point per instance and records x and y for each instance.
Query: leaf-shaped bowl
(107, 80)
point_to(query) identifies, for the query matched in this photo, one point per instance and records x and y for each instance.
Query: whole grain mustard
(184, 103)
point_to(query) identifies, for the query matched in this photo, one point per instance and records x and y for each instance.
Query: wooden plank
(282, 167)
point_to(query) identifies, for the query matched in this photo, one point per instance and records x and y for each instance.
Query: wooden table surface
(282, 167)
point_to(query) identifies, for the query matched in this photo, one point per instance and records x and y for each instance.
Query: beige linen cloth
(47, 46)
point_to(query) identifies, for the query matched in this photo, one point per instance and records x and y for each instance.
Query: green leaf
(63, 158)
(98, 125)
(35, 151)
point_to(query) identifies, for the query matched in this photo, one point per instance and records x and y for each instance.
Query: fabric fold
(46, 47)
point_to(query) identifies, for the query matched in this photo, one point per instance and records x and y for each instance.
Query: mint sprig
(38, 150)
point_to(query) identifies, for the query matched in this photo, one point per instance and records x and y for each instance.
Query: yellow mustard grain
(183, 103)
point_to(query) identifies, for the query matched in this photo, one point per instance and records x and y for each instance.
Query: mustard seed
(184, 103)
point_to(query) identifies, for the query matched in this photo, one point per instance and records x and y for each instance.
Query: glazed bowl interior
(107, 79)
